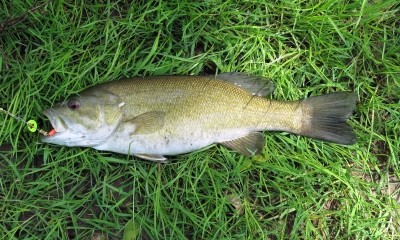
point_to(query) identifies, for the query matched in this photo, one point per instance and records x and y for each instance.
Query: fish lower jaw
(57, 122)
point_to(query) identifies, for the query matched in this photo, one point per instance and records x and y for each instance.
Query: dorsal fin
(258, 86)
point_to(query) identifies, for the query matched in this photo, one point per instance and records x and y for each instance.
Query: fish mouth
(57, 123)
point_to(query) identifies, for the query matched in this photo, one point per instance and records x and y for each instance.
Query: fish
(158, 116)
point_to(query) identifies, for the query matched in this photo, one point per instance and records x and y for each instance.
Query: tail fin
(327, 115)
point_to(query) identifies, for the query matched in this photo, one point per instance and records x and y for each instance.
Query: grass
(298, 188)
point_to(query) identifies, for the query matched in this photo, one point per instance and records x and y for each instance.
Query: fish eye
(73, 104)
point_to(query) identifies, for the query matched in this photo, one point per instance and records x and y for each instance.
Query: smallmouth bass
(156, 116)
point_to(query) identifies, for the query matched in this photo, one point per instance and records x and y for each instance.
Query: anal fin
(248, 145)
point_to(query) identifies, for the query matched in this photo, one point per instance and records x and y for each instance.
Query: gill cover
(87, 119)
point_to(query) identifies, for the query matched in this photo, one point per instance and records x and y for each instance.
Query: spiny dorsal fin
(251, 144)
(258, 86)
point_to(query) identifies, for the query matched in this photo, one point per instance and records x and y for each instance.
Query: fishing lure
(31, 124)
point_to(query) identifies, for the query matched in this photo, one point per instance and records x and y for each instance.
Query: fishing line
(31, 124)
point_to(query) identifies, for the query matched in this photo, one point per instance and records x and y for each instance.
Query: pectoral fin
(258, 86)
(151, 157)
(251, 144)
(147, 122)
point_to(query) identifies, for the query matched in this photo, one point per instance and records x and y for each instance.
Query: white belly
(163, 144)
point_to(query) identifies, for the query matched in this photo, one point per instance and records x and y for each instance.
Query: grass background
(299, 188)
